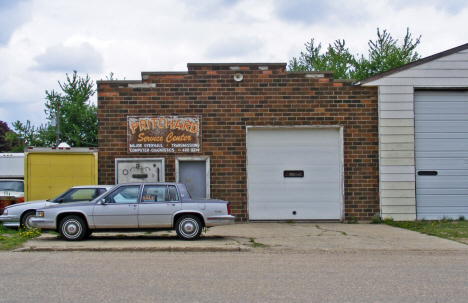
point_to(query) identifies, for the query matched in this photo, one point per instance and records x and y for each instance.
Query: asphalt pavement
(259, 237)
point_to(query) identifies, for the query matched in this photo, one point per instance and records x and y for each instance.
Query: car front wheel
(26, 219)
(188, 227)
(72, 228)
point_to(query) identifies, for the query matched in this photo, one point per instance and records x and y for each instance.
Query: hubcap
(28, 222)
(71, 229)
(189, 227)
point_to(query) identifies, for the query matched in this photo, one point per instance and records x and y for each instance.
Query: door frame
(198, 159)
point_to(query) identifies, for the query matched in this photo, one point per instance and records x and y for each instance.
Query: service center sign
(164, 134)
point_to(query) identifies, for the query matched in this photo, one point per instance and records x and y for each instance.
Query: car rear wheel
(188, 227)
(26, 219)
(73, 228)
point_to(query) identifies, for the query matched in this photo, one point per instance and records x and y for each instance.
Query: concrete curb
(130, 249)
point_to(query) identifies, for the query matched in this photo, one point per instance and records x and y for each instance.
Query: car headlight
(39, 214)
(5, 212)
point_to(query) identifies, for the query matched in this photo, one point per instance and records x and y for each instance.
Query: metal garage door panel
(312, 192)
(447, 166)
(441, 145)
(282, 211)
(296, 137)
(314, 173)
(294, 155)
(316, 195)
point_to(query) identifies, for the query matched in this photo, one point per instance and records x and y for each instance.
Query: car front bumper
(9, 221)
(42, 223)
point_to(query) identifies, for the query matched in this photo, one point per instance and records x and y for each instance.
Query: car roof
(93, 186)
(150, 183)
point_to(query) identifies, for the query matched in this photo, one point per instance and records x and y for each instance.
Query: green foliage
(384, 54)
(76, 118)
(10, 238)
(27, 135)
(445, 228)
(337, 59)
(255, 244)
(5, 145)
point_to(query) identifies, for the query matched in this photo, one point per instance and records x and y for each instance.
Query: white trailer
(12, 166)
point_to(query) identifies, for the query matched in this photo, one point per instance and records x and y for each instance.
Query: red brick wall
(264, 97)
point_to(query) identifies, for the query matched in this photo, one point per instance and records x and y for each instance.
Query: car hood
(36, 203)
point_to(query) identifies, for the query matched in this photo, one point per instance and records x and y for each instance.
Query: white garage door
(441, 150)
(294, 173)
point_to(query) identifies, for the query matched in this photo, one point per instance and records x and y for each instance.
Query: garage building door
(294, 173)
(441, 151)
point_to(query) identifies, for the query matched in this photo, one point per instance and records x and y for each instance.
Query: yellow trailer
(49, 171)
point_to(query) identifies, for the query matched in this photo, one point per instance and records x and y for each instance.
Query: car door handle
(173, 204)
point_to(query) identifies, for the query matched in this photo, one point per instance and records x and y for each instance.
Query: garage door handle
(427, 173)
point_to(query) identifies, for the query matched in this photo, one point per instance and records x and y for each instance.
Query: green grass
(456, 230)
(255, 244)
(12, 238)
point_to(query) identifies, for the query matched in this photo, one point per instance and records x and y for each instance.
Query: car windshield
(78, 194)
(12, 185)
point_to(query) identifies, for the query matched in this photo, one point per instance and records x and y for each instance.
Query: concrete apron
(262, 237)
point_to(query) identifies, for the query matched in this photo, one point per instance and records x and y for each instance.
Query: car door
(157, 206)
(118, 209)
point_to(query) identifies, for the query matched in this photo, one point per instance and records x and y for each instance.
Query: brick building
(277, 145)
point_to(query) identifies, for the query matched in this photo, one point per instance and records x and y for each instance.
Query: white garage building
(423, 135)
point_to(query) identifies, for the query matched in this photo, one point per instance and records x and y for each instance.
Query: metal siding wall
(441, 145)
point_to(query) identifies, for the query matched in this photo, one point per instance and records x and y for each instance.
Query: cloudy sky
(42, 40)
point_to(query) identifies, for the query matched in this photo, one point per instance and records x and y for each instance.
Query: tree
(384, 54)
(77, 119)
(5, 145)
(27, 135)
(73, 113)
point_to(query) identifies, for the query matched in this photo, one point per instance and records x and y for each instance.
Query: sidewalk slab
(299, 237)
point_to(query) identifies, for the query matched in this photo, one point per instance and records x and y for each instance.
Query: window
(173, 193)
(155, 193)
(125, 194)
(12, 186)
(82, 194)
(159, 193)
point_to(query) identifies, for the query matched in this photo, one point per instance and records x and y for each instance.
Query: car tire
(25, 219)
(188, 227)
(73, 228)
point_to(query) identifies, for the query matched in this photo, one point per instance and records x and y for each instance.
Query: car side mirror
(102, 202)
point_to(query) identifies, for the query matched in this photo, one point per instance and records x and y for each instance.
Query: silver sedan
(136, 207)
(20, 214)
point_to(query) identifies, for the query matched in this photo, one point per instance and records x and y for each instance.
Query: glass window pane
(126, 194)
(84, 194)
(173, 193)
(154, 193)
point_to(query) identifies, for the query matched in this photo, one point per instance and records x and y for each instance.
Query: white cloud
(59, 58)
(41, 40)
(19, 9)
